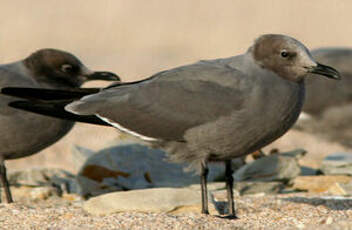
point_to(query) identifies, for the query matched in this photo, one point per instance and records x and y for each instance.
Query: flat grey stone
(337, 163)
(158, 200)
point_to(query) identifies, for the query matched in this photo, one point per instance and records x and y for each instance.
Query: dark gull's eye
(66, 68)
(284, 54)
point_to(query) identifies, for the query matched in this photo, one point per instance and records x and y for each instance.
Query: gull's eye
(284, 54)
(66, 68)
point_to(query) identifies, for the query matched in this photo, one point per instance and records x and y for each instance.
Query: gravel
(289, 211)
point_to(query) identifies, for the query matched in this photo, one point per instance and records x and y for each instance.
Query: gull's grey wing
(171, 102)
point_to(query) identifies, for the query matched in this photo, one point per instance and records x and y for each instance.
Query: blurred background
(138, 38)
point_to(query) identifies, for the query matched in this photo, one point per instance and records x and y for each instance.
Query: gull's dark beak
(105, 76)
(326, 71)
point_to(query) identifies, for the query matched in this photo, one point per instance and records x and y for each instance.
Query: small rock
(43, 193)
(21, 193)
(277, 167)
(135, 166)
(337, 164)
(157, 200)
(318, 184)
(37, 177)
(71, 197)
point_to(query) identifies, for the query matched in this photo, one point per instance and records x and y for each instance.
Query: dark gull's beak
(98, 75)
(324, 70)
(105, 76)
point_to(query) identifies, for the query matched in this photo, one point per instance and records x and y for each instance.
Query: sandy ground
(294, 211)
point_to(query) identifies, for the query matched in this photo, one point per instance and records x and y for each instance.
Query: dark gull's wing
(55, 110)
(48, 94)
(170, 103)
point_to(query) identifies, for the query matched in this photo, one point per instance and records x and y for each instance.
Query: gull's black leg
(229, 187)
(5, 183)
(203, 181)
